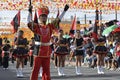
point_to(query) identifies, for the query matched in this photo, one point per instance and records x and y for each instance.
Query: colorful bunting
(85, 4)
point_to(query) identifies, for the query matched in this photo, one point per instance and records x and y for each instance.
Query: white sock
(21, 72)
(101, 70)
(59, 71)
(62, 71)
(98, 68)
(41, 72)
(78, 72)
(17, 72)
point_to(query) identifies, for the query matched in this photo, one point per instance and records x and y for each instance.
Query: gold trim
(63, 45)
(20, 46)
(101, 44)
(44, 56)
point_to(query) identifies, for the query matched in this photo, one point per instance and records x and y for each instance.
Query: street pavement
(88, 74)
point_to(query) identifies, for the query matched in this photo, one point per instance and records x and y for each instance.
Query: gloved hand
(66, 7)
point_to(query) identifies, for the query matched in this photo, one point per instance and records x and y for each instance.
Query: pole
(97, 15)
(96, 19)
(100, 16)
(30, 5)
(116, 10)
(85, 19)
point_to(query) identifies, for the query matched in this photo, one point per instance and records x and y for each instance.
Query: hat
(43, 10)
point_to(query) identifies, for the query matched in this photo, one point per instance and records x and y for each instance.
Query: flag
(35, 18)
(40, 0)
(73, 27)
(16, 22)
(57, 30)
(75, 3)
(95, 33)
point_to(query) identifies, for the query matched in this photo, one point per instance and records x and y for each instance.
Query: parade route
(88, 74)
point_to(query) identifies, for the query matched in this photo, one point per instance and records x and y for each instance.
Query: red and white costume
(43, 57)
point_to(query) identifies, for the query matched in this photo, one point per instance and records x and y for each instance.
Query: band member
(117, 50)
(36, 49)
(61, 51)
(42, 59)
(20, 52)
(79, 51)
(11, 54)
(31, 49)
(0, 51)
(53, 46)
(54, 55)
(5, 53)
(72, 50)
(27, 49)
(100, 51)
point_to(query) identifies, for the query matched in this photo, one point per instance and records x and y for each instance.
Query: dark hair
(90, 22)
(32, 38)
(21, 31)
(60, 30)
(5, 38)
(78, 31)
(101, 39)
(8, 41)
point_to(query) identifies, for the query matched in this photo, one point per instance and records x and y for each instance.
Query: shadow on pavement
(86, 76)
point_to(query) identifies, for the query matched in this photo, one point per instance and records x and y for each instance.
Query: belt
(100, 44)
(37, 43)
(6, 51)
(62, 45)
(21, 46)
(42, 44)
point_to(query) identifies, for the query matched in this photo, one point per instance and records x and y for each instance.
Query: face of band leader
(43, 18)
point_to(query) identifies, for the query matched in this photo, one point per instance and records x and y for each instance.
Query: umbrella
(66, 36)
(108, 30)
(116, 30)
(118, 23)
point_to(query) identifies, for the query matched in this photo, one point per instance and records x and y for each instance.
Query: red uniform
(43, 58)
(45, 32)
